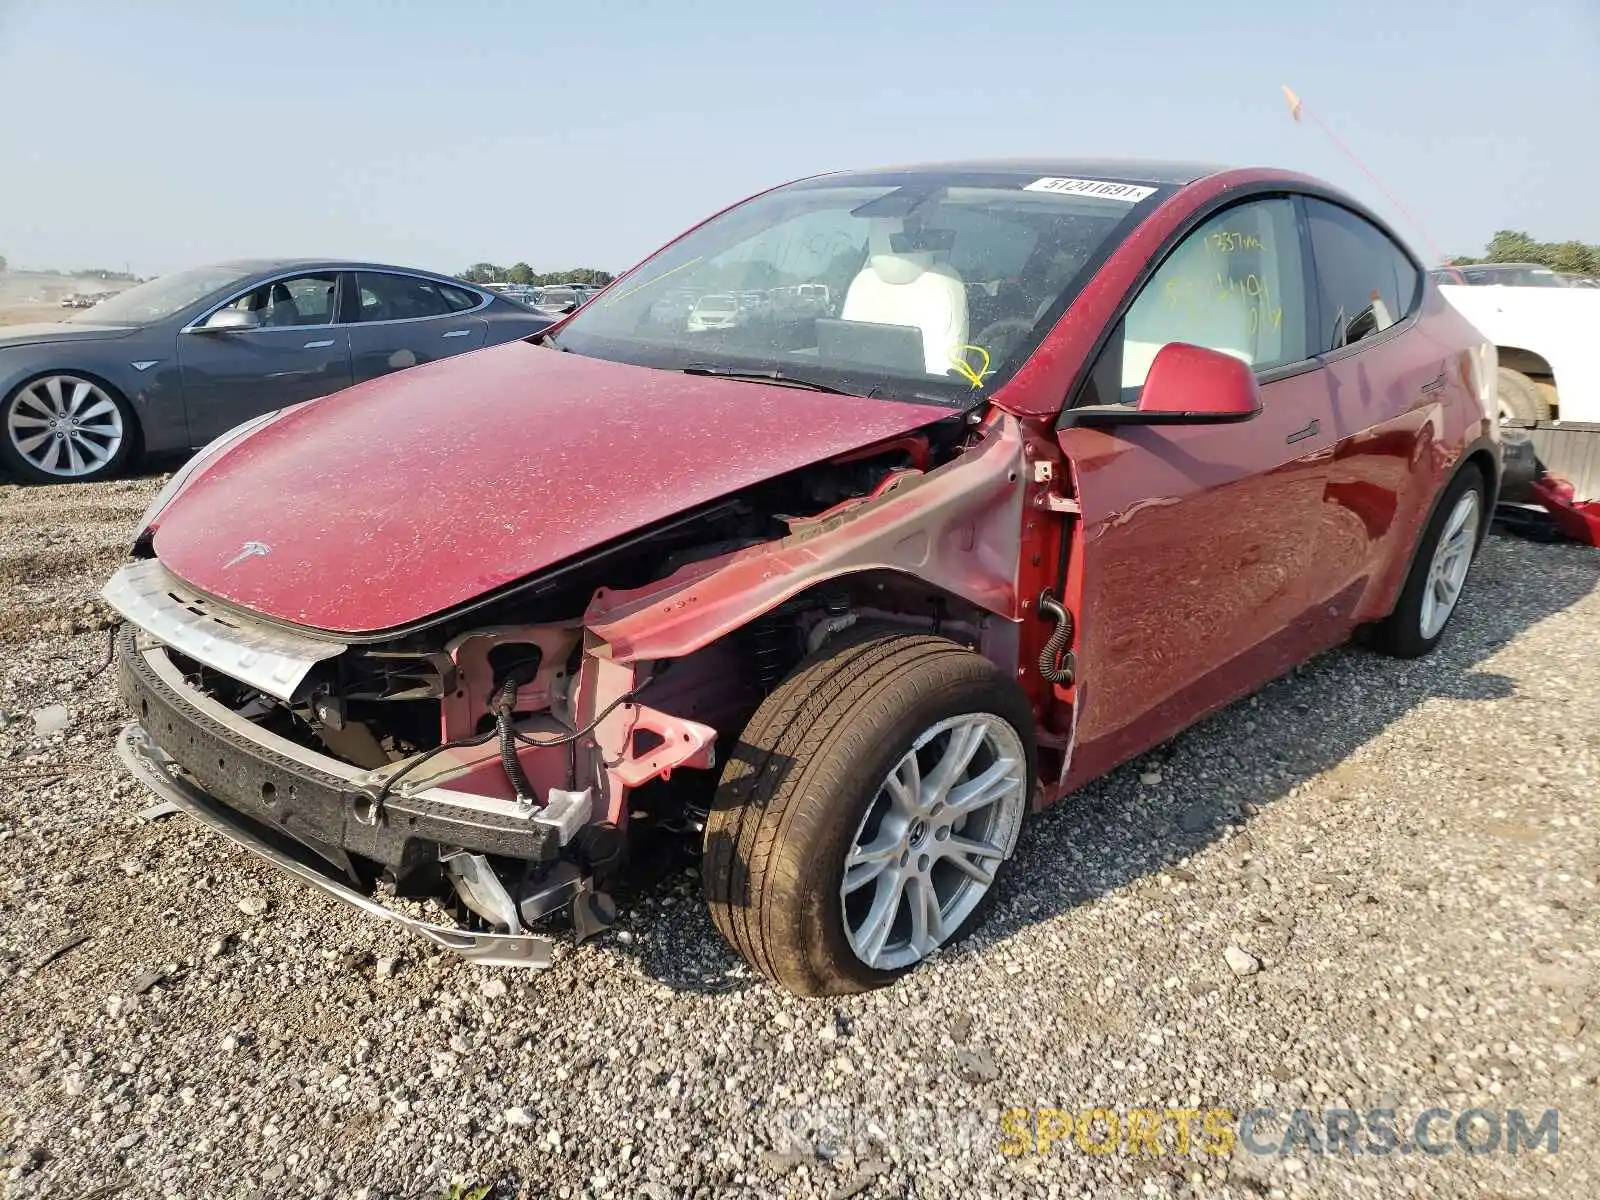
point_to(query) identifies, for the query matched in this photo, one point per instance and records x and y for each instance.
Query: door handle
(1300, 435)
(458, 333)
(319, 345)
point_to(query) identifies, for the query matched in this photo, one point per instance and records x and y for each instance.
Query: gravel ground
(1402, 859)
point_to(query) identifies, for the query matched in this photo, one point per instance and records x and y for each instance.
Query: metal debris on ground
(53, 718)
(159, 811)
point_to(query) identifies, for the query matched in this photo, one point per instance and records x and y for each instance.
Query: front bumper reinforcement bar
(153, 768)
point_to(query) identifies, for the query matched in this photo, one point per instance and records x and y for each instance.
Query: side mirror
(227, 319)
(1187, 385)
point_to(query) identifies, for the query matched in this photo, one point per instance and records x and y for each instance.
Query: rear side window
(1366, 283)
(387, 297)
(459, 299)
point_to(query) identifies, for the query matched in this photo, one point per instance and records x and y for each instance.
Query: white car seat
(901, 288)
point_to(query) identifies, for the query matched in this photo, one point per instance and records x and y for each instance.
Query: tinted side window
(1235, 284)
(1366, 282)
(459, 299)
(387, 297)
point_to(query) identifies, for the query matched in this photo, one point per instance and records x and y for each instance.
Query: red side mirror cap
(1200, 383)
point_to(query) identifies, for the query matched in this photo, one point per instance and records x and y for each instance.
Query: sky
(439, 133)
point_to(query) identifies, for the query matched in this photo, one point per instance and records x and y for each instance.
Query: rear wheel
(862, 820)
(1519, 398)
(1439, 572)
(65, 428)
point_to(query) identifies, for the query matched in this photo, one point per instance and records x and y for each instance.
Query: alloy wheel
(65, 426)
(926, 850)
(1452, 555)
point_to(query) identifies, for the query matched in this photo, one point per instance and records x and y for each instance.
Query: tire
(809, 780)
(1412, 629)
(97, 432)
(1520, 397)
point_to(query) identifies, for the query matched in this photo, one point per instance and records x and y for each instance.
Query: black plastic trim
(315, 808)
(1102, 416)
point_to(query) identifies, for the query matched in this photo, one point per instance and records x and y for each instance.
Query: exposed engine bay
(593, 703)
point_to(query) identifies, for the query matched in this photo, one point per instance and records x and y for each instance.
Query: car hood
(405, 497)
(60, 331)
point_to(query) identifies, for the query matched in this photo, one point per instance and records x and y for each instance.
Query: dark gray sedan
(170, 364)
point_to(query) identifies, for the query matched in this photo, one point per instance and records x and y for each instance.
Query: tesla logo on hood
(248, 550)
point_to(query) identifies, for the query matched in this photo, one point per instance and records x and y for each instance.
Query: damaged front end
(504, 762)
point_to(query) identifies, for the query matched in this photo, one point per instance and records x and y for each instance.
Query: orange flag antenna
(1297, 110)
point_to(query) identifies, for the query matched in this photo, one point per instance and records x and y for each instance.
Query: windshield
(912, 285)
(158, 299)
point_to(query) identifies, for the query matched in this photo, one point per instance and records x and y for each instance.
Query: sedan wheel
(65, 427)
(867, 810)
(925, 853)
(1448, 570)
(1438, 572)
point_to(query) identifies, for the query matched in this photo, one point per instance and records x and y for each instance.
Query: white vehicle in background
(1548, 340)
(1547, 337)
(719, 310)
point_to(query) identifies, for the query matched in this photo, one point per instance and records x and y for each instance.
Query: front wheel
(863, 818)
(64, 428)
(1439, 571)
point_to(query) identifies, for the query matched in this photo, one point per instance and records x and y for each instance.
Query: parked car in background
(672, 309)
(562, 297)
(1509, 275)
(841, 599)
(715, 311)
(170, 364)
(1547, 342)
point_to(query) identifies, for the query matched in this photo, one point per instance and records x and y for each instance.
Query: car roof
(267, 266)
(1158, 171)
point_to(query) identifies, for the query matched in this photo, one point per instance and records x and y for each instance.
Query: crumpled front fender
(958, 528)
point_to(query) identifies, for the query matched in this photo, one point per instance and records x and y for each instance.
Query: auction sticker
(1130, 193)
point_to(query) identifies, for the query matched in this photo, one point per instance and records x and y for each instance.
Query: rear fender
(1483, 454)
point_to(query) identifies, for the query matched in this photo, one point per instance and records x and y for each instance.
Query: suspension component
(770, 650)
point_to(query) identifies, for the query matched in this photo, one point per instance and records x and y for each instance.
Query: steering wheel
(1006, 327)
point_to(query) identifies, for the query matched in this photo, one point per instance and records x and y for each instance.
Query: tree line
(1514, 246)
(522, 273)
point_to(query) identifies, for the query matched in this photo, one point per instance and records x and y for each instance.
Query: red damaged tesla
(992, 476)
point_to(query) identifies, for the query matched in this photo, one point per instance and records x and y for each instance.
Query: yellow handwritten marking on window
(1180, 291)
(1225, 293)
(1226, 241)
(958, 357)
